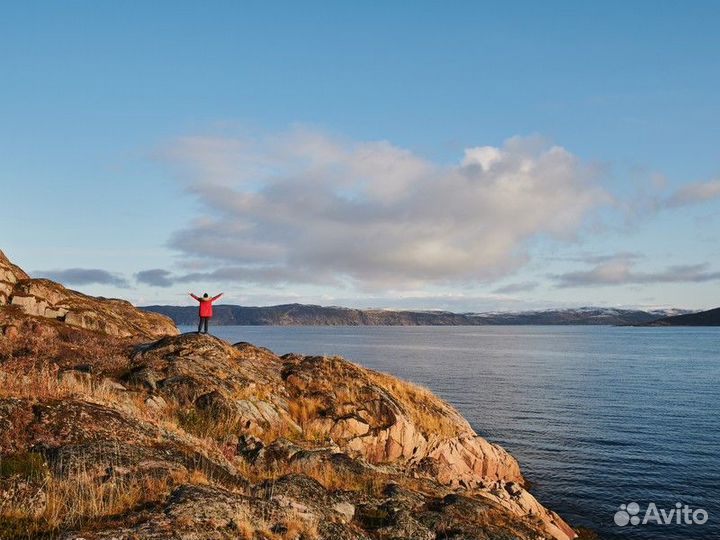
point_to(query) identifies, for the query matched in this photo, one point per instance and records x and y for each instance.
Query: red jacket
(206, 304)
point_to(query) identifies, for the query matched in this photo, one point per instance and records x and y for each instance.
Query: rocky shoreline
(114, 426)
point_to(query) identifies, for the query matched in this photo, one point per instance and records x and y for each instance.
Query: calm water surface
(597, 416)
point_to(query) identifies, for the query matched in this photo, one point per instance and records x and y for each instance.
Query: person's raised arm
(216, 297)
(195, 297)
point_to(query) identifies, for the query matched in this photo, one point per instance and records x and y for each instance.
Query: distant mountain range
(701, 318)
(311, 315)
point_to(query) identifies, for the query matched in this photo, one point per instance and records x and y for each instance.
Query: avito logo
(681, 514)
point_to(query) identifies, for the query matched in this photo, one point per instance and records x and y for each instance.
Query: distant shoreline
(313, 315)
(710, 317)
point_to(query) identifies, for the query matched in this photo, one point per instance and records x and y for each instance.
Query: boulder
(385, 420)
(156, 403)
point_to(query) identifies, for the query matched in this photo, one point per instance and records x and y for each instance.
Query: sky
(470, 156)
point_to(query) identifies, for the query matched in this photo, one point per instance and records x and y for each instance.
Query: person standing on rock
(206, 311)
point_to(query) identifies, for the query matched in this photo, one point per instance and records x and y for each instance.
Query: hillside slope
(188, 436)
(703, 318)
(49, 300)
(311, 315)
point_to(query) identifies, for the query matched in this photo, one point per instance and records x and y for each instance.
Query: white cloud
(83, 276)
(484, 156)
(656, 197)
(512, 288)
(696, 192)
(305, 207)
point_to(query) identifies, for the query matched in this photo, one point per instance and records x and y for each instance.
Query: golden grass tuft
(78, 500)
(305, 409)
(295, 527)
(429, 413)
(208, 424)
(42, 382)
(64, 345)
(333, 479)
(291, 526)
(328, 476)
(214, 426)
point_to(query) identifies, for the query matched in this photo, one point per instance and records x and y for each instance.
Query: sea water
(598, 417)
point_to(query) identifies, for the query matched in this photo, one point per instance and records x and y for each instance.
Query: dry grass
(201, 430)
(327, 475)
(67, 347)
(208, 424)
(254, 392)
(432, 416)
(304, 410)
(31, 363)
(28, 346)
(296, 527)
(46, 504)
(214, 426)
(42, 382)
(334, 479)
(245, 526)
(291, 526)
(77, 501)
(74, 501)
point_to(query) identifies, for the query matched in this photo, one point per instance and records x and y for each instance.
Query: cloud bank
(83, 276)
(155, 278)
(622, 272)
(523, 286)
(697, 192)
(303, 207)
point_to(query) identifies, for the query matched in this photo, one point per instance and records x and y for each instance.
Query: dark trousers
(203, 323)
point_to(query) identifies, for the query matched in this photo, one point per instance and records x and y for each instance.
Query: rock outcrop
(50, 300)
(366, 417)
(191, 437)
(369, 415)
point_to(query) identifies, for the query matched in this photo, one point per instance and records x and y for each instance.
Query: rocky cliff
(50, 300)
(105, 436)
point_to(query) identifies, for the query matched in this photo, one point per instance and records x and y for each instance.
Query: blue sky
(460, 155)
